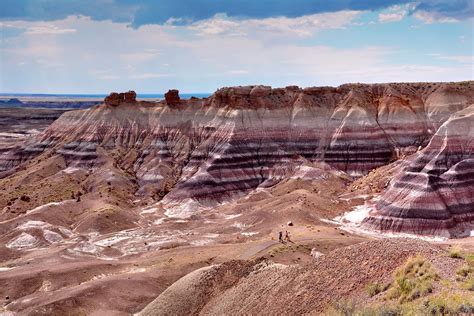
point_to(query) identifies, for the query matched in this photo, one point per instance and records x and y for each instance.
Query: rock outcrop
(172, 97)
(115, 99)
(434, 194)
(241, 138)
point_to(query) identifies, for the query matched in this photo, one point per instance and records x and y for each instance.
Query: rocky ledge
(115, 99)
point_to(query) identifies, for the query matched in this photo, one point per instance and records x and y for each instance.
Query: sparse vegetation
(373, 289)
(446, 304)
(441, 304)
(469, 284)
(412, 280)
(455, 252)
(348, 308)
(464, 271)
(465, 274)
(343, 307)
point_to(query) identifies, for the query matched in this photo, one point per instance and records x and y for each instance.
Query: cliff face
(202, 151)
(434, 193)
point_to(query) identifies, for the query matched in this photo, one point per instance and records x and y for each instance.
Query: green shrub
(448, 304)
(412, 280)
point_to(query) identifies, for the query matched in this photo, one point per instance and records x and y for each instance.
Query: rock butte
(200, 152)
(433, 194)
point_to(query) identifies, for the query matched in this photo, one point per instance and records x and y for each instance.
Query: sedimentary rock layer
(434, 193)
(202, 151)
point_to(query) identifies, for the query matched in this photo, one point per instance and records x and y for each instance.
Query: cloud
(237, 72)
(50, 10)
(148, 76)
(35, 28)
(143, 12)
(431, 11)
(158, 12)
(48, 29)
(391, 17)
(216, 26)
(433, 17)
(463, 59)
(281, 26)
(103, 56)
(172, 12)
(394, 14)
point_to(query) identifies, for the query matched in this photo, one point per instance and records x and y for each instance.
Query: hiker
(287, 235)
(280, 237)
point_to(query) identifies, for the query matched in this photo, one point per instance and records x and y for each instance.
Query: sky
(150, 46)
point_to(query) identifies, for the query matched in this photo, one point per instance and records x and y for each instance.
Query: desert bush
(465, 274)
(373, 289)
(448, 304)
(455, 252)
(464, 271)
(344, 308)
(469, 257)
(380, 311)
(469, 284)
(412, 280)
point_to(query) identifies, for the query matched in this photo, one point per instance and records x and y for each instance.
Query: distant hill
(71, 101)
(14, 103)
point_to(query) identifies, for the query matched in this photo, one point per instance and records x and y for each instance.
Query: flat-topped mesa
(115, 99)
(172, 97)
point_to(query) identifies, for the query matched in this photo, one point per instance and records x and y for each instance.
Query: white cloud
(395, 13)
(48, 29)
(466, 59)
(391, 17)
(103, 56)
(304, 26)
(217, 26)
(237, 72)
(148, 76)
(433, 17)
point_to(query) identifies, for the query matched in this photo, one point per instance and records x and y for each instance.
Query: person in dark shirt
(280, 236)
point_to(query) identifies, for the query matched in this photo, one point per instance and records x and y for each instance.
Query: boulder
(315, 253)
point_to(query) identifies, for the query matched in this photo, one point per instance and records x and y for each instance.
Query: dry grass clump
(412, 280)
(440, 304)
(465, 274)
(348, 308)
(411, 292)
(455, 252)
(448, 304)
(374, 288)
